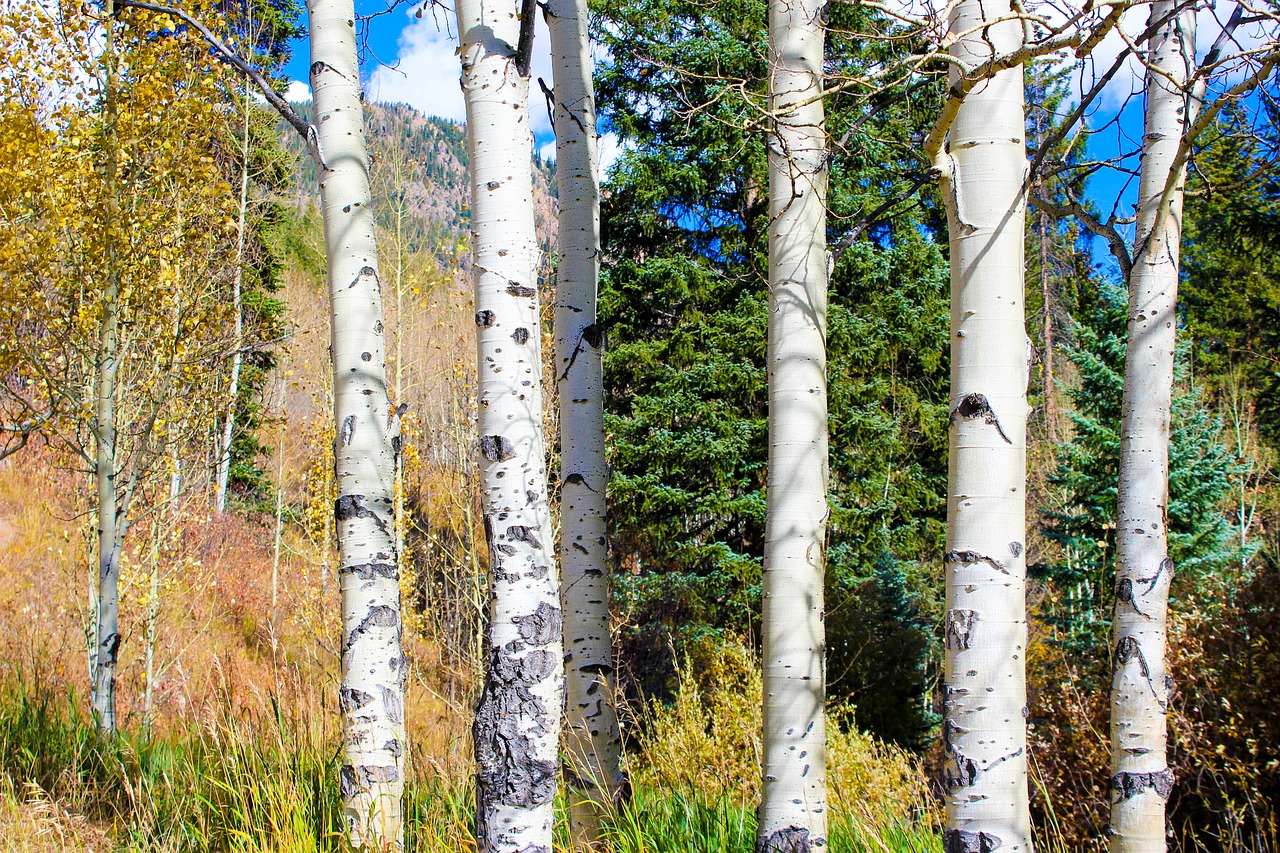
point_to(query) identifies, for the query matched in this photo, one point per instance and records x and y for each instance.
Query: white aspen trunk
(593, 743)
(517, 724)
(237, 357)
(107, 610)
(984, 727)
(793, 802)
(373, 663)
(1141, 780)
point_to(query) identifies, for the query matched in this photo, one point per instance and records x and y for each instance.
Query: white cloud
(426, 71)
(298, 92)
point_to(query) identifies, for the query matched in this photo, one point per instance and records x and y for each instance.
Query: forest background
(231, 639)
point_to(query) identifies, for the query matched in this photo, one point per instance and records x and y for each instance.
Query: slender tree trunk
(373, 663)
(793, 805)
(517, 724)
(1046, 297)
(107, 612)
(593, 742)
(1140, 776)
(984, 729)
(237, 357)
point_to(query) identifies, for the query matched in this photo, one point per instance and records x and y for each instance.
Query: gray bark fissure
(508, 719)
(963, 841)
(789, 839)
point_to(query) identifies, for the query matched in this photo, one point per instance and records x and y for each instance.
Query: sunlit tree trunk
(1140, 776)
(984, 728)
(593, 743)
(517, 724)
(373, 663)
(793, 804)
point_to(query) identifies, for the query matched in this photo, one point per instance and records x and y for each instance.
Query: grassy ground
(259, 782)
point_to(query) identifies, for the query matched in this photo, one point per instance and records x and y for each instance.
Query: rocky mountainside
(419, 167)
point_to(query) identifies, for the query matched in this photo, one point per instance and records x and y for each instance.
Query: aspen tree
(593, 741)
(373, 663)
(517, 723)
(1141, 780)
(793, 805)
(982, 178)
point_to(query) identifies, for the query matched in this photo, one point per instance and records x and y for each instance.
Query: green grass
(251, 783)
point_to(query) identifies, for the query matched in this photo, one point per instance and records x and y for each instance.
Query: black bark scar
(963, 841)
(1129, 785)
(508, 719)
(978, 406)
(592, 335)
(1125, 588)
(969, 558)
(352, 506)
(789, 839)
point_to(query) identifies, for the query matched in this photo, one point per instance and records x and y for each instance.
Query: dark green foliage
(1202, 543)
(1230, 293)
(684, 296)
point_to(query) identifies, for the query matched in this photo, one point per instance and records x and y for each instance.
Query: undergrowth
(259, 781)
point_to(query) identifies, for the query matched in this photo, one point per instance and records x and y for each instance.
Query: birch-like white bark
(517, 724)
(793, 803)
(982, 178)
(373, 663)
(593, 744)
(1140, 776)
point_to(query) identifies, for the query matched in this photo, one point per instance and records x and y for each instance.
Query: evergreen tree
(1230, 293)
(684, 299)
(1202, 543)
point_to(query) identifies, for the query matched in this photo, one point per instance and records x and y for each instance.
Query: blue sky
(412, 59)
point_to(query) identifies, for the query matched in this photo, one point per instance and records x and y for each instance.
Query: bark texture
(517, 722)
(982, 176)
(373, 666)
(793, 804)
(593, 744)
(1140, 777)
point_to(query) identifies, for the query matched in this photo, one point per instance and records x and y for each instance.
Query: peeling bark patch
(516, 289)
(959, 631)
(1129, 785)
(348, 430)
(542, 626)
(520, 335)
(381, 616)
(963, 841)
(969, 558)
(790, 839)
(508, 719)
(978, 406)
(484, 319)
(351, 699)
(353, 780)
(496, 448)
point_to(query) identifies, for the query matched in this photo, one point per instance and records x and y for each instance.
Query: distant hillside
(425, 159)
